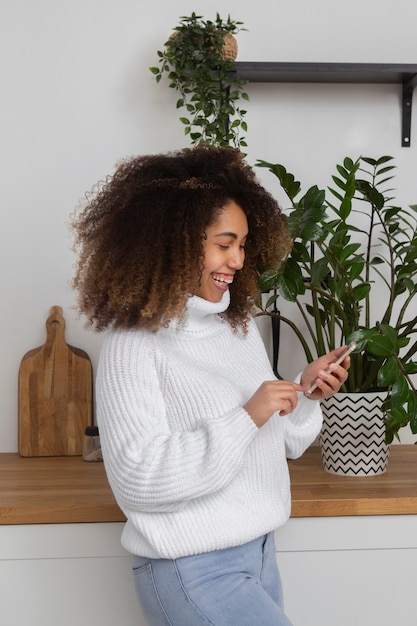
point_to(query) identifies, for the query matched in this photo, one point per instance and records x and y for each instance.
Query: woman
(195, 428)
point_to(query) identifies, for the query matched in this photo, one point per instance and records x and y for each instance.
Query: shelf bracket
(408, 88)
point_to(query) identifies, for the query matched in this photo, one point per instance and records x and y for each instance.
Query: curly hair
(140, 237)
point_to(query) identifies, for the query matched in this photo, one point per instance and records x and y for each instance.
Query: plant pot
(229, 49)
(352, 438)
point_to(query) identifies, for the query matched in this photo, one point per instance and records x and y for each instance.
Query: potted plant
(198, 60)
(352, 274)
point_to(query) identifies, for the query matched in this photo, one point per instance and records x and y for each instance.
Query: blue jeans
(238, 586)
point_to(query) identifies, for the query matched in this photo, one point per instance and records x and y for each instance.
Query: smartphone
(339, 360)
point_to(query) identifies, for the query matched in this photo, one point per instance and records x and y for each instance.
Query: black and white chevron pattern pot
(352, 439)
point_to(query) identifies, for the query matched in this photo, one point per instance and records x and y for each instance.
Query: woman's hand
(272, 396)
(328, 376)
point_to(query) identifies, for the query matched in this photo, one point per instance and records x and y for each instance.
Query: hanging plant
(198, 60)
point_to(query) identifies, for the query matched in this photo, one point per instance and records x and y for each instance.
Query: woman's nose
(237, 258)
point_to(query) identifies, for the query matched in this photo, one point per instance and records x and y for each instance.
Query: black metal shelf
(404, 74)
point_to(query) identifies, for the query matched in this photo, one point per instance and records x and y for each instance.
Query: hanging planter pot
(352, 438)
(198, 60)
(229, 48)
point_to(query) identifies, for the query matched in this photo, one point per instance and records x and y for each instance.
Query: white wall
(77, 95)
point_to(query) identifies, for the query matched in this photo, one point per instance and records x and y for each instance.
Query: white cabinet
(336, 571)
(66, 575)
(349, 571)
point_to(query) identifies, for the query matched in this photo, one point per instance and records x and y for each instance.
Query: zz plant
(197, 64)
(352, 274)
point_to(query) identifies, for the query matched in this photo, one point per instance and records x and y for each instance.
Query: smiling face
(224, 252)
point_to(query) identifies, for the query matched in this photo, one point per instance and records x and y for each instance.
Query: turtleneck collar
(201, 314)
(204, 307)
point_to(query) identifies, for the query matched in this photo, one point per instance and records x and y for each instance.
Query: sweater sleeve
(152, 468)
(302, 425)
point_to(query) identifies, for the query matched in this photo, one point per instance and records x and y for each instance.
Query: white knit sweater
(187, 465)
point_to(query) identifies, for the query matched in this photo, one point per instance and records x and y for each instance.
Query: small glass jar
(92, 446)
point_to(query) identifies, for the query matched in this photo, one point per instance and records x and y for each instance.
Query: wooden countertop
(316, 493)
(43, 490)
(57, 490)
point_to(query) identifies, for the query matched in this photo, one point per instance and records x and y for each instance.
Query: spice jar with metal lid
(92, 446)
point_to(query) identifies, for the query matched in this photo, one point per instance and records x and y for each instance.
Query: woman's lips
(222, 280)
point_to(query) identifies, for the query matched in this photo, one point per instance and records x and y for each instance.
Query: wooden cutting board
(55, 395)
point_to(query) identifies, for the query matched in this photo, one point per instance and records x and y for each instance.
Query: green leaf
(268, 281)
(342, 171)
(349, 251)
(388, 373)
(380, 345)
(399, 392)
(397, 417)
(300, 253)
(361, 336)
(292, 270)
(411, 367)
(360, 292)
(271, 300)
(412, 411)
(290, 291)
(370, 193)
(287, 180)
(391, 334)
(349, 164)
(355, 271)
(340, 290)
(313, 198)
(319, 271)
(340, 183)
